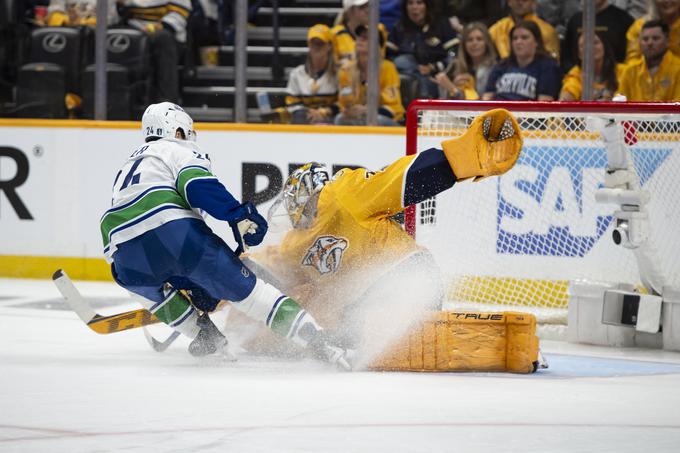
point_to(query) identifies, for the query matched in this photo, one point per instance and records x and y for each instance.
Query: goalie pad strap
(466, 341)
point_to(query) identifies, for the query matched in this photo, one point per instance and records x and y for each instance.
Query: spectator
(355, 13)
(557, 12)
(606, 73)
(390, 12)
(521, 10)
(529, 73)
(209, 24)
(352, 88)
(611, 21)
(421, 44)
(461, 12)
(636, 8)
(656, 76)
(667, 11)
(165, 24)
(312, 90)
(468, 74)
(33, 12)
(71, 13)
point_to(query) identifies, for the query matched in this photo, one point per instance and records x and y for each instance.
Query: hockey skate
(209, 340)
(323, 349)
(541, 363)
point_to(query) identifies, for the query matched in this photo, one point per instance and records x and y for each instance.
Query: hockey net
(516, 241)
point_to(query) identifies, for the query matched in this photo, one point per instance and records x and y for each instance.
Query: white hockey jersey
(175, 13)
(151, 189)
(305, 90)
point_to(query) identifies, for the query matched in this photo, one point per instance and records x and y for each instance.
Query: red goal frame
(418, 105)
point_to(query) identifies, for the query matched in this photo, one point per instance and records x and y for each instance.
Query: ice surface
(64, 388)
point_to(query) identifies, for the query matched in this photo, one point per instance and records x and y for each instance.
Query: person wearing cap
(354, 13)
(312, 91)
(352, 78)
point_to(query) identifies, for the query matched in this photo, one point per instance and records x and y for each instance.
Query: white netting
(519, 239)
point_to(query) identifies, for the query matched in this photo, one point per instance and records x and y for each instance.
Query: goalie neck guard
(300, 193)
(163, 120)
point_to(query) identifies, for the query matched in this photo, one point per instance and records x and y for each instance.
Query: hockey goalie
(352, 266)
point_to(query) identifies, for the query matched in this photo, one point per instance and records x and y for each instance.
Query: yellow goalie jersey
(350, 240)
(353, 240)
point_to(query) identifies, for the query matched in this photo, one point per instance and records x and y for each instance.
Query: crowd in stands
(455, 49)
(524, 50)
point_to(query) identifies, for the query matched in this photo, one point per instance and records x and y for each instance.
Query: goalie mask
(301, 193)
(163, 120)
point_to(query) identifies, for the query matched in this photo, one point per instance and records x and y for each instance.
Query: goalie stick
(98, 323)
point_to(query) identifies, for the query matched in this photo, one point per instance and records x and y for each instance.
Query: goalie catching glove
(489, 147)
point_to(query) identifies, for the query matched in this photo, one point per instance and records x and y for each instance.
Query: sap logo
(546, 204)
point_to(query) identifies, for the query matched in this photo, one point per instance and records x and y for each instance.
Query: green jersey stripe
(186, 175)
(172, 308)
(149, 202)
(285, 315)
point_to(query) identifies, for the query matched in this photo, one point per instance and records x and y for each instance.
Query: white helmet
(164, 119)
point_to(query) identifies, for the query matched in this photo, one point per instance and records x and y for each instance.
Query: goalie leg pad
(489, 147)
(466, 341)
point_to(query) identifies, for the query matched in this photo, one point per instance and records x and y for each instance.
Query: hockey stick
(160, 346)
(100, 324)
(243, 227)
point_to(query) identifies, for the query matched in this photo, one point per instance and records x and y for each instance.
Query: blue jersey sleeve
(211, 196)
(202, 190)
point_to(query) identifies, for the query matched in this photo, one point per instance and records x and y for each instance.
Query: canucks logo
(325, 254)
(546, 204)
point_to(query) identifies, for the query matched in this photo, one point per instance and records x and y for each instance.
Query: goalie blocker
(466, 341)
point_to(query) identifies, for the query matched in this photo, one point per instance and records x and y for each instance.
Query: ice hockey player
(345, 250)
(158, 243)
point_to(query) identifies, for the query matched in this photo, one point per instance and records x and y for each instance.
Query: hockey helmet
(301, 191)
(163, 120)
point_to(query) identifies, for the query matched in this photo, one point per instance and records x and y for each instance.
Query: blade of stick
(100, 324)
(160, 346)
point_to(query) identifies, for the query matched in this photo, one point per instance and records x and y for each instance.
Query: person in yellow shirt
(607, 73)
(72, 13)
(355, 13)
(656, 76)
(346, 255)
(668, 11)
(352, 88)
(523, 10)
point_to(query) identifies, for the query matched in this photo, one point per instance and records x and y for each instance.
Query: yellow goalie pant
(466, 341)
